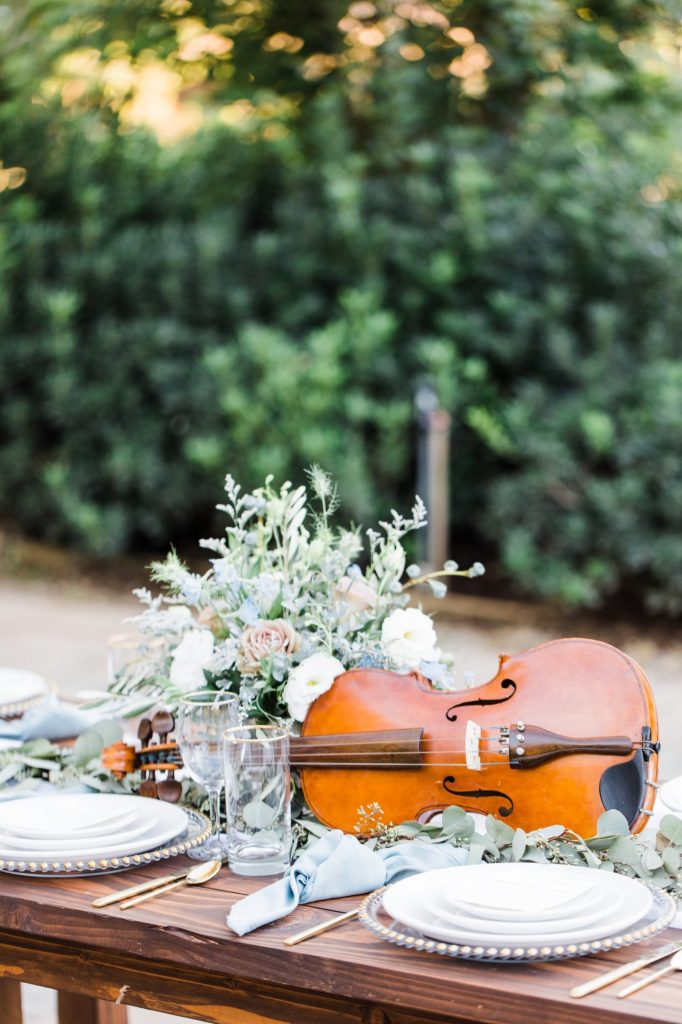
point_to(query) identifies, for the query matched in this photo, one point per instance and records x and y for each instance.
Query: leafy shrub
(254, 301)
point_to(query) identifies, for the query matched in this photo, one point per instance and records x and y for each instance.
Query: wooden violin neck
(396, 747)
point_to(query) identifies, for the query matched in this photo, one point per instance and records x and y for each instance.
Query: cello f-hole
(505, 684)
(480, 794)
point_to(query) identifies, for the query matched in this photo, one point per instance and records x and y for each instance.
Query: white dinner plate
(605, 905)
(406, 902)
(162, 823)
(670, 794)
(510, 899)
(70, 813)
(55, 832)
(140, 828)
(154, 837)
(18, 686)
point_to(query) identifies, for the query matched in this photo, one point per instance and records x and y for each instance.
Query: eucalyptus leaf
(651, 860)
(671, 827)
(87, 746)
(409, 829)
(601, 843)
(518, 846)
(457, 822)
(109, 732)
(548, 832)
(258, 815)
(624, 851)
(535, 856)
(37, 748)
(499, 831)
(107, 785)
(613, 823)
(569, 853)
(38, 762)
(476, 851)
(671, 860)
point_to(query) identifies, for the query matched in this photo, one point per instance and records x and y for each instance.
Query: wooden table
(177, 955)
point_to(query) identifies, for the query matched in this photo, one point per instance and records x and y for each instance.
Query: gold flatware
(674, 965)
(624, 970)
(319, 928)
(196, 876)
(135, 890)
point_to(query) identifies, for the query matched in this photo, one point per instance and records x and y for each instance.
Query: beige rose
(274, 636)
(357, 595)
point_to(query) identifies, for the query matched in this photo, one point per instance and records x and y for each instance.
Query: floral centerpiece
(289, 601)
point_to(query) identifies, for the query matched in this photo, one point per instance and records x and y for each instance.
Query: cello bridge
(476, 741)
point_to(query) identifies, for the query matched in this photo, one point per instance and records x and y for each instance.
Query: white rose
(408, 637)
(192, 655)
(308, 680)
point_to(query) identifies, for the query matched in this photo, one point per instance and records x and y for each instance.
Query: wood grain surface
(177, 955)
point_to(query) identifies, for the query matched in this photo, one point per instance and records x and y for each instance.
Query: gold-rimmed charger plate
(10, 708)
(373, 917)
(197, 832)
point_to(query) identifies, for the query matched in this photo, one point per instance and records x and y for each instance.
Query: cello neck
(395, 747)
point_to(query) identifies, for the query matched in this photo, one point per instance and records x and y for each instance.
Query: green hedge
(252, 305)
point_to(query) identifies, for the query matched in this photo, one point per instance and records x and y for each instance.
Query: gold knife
(624, 970)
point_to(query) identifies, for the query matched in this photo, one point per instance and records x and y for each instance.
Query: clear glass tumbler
(258, 799)
(203, 717)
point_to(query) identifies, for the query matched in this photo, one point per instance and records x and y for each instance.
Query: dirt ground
(61, 629)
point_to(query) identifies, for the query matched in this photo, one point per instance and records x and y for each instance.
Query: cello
(563, 732)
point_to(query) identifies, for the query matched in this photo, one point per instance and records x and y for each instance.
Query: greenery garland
(613, 848)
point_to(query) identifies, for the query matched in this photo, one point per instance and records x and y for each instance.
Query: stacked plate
(20, 690)
(670, 795)
(518, 911)
(86, 832)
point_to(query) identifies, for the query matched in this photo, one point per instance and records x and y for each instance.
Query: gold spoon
(674, 965)
(197, 876)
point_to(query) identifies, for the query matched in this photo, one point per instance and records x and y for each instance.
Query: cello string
(423, 744)
(394, 764)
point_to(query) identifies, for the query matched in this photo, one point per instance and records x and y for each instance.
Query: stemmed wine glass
(203, 717)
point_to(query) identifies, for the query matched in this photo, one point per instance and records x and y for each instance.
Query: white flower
(408, 637)
(192, 655)
(308, 680)
(355, 594)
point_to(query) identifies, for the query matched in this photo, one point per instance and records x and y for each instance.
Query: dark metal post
(433, 473)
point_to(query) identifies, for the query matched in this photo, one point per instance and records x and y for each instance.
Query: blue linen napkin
(51, 720)
(338, 865)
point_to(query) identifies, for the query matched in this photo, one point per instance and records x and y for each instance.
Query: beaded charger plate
(197, 832)
(20, 691)
(373, 916)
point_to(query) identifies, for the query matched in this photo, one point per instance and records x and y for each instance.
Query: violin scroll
(163, 757)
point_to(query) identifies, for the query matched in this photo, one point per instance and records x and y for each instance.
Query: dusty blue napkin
(338, 865)
(51, 720)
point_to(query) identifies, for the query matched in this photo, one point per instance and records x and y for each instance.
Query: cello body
(562, 732)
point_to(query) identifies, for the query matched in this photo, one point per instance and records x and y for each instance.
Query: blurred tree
(235, 233)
